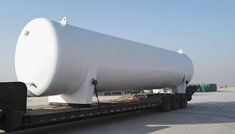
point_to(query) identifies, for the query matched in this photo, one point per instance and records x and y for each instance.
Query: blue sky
(204, 29)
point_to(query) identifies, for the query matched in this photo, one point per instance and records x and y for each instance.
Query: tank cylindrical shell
(53, 58)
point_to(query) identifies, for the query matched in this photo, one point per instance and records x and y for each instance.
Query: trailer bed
(49, 115)
(14, 114)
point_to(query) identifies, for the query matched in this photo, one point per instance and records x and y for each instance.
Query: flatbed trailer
(15, 115)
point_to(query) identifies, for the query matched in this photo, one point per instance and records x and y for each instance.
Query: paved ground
(208, 113)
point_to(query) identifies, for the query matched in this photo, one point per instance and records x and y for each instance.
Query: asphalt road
(207, 113)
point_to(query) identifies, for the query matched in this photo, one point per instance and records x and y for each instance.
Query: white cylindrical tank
(57, 58)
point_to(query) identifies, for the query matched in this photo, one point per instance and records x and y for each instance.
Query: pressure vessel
(57, 58)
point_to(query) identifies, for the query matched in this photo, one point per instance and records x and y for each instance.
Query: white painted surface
(55, 58)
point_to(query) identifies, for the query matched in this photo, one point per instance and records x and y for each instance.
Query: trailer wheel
(183, 101)
(166, 104)
(175, 102)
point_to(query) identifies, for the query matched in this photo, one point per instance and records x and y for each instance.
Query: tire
(176, 102)
(183, 101)
(166, 104)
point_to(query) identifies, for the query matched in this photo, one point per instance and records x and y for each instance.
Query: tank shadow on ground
(147, 121)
